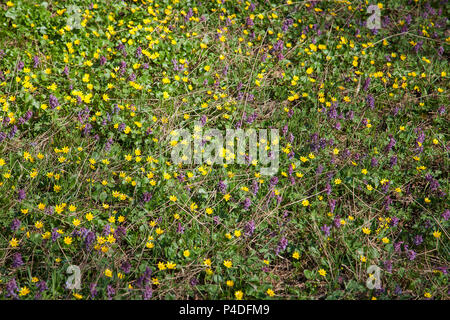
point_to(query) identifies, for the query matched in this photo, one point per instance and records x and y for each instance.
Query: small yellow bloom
(228, 263)
(437, 234)
(14, 242)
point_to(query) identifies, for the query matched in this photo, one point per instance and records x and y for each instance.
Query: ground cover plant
(92, 205)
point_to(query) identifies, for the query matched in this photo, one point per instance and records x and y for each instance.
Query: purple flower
(326, 230)
(281, 245)
(273, 181)
(35, 61)
(398, 290)
(15, 224)
(17, 260)
(246, 204)
(147, 293)
(393, 161)
(89, 239)
(21, 195)
(222, 187)
(126, 267)
(20, 65)
(411, 254)
(146, 196)
(93, 290)
(55, 234)
(249, 228)
(388, 265)
(13, 132)
(110, 292)
(53, 101)
(255, 187)
(138, 52)
(332, 204)
(180, 228)
(374, 162)
(370, 101)
(194, 282)
(418, 240)
(394, 221)
(446, 214)
(11, 289)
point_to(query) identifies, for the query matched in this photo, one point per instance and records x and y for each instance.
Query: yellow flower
(78, 296)
(385, 240)
(171, 265)
(207, 262)
(186, 253)
(305, 203)
(366, 230)
(337, 181)
(322, 272)
(270, 292)
(14, 243)
(437, 234)
(228, 263)
(230, 283)
(239, 294)
(108, 273)
(161, 265)
(296, 255)
(24, 291)
(68, 240)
